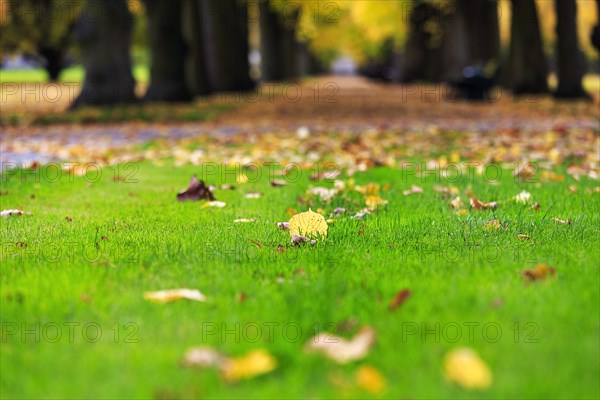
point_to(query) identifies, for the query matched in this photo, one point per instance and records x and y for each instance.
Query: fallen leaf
(323, 193)
(284, 225)
(253, 195)
(196, 190)
(309, 224)
(413, 190)
(202, 357)
(373, 202)
(480, 205)
(256, 362)
(244, 220)
(464, 367)
(218, 204)
(399, 299)
(278, 183)
(456, 203)
(167, 296)
(536, 207)
(10, 213)
(561, 221)
(369, 379)
(539, 273)
(462, 212)
(341, 350)
(324, 175)
(493, 224)
(524, 237)
(523, 197)
(299, 239)
(371, 189)
(339, 211)
(226, 186)
(525, 171)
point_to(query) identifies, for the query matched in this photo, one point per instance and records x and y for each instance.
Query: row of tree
(201, 47)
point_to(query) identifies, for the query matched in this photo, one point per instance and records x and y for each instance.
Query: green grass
(76, 73)
(458, 271)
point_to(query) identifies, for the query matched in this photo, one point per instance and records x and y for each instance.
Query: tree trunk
(281, 53)
(105, 37)
(225, 35)
(423, 52)
(196, 75)
(165, 38)
(595, 34)
(527, 67)
(571, 62)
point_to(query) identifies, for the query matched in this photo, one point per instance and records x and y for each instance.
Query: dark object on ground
(197, 190)
(475, 84)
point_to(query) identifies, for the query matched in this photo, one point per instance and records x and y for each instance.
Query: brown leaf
(480, 205)
(278, 183)
(399, 299)
(284, 225)
(197, 190)
(539, 273)
(561, 221)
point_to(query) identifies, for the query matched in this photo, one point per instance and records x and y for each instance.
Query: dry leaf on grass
(539, 273)
(217, 204)
(369, 379)
(399, 299)
(480, 205)
(493, 224)
(523, 237)
(413, 190)
(278, 183)
(324, 175)
(341, 350)
(373, 202)
(464, 367)
(197, 190)
(299, 239)
(244, 220)
(11, 213)
(284, 225)
(456, 203)
(202, 357)
(323, 193)
(167, 296)
(256, 362)
(308, 224)
(561, 221)
(253, 195)
(233, 369)
(523, 197)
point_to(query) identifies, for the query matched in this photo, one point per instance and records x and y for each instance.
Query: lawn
(75, 323)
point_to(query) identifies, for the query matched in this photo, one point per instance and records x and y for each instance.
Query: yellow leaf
(256, 362)
(464, 367)
(309, 224)
(369, 379)
(374, 201)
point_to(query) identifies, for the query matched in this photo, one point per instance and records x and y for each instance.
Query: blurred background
(111, 52)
